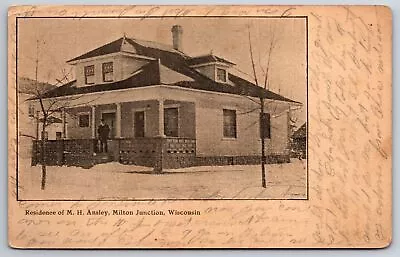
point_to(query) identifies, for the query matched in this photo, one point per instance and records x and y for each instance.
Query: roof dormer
(212, 66)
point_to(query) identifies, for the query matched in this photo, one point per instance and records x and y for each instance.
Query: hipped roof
(170, 67)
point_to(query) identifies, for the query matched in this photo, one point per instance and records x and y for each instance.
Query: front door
(109, 119)
(139, 124)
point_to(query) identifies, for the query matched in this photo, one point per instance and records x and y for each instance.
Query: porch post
(161, 118)
(64, 127)
(118, 121)
(159, 158)
(93, 119)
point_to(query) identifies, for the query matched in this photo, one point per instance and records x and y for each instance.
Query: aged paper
(200, 126)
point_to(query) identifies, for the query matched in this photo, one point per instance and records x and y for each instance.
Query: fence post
(159, 155)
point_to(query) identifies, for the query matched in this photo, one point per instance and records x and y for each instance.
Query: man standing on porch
(103, 132)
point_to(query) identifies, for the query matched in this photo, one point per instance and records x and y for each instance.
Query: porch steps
(102, 158)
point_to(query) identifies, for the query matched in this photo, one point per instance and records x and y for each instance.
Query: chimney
(177, 32)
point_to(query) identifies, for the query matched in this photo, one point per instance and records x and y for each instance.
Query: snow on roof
(209, 58)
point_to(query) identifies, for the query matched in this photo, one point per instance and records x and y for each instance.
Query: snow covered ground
(117, 181)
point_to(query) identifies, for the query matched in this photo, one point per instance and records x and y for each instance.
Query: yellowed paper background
(349, 151)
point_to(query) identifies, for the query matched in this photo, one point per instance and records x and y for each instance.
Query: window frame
(79, 119)
(229, 135)
(31, 110)
(59, 135)
(225, 74)
(264, 130)
(89, 74)
(144, 121)
(177, 117)
(104, 72)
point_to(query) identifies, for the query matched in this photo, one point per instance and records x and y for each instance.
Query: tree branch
(252, 58)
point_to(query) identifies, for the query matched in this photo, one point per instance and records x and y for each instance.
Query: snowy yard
(117, 181)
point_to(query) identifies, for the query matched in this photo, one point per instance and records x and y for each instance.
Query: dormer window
(108, 71)
(89, 75)
(212, 66)
(221, 75)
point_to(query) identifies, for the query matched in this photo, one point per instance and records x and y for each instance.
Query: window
(171, 122)
(58, 135)
(45, 135)
(108, 70)
(84, 120)
(89, 74)
(221, 75)
(229, 123)
(139, 121)
(265, 125)
(31, 111)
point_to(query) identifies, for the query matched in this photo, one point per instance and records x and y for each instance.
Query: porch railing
(139, 151)
(179, 152)
(158, 152)
(76, 152)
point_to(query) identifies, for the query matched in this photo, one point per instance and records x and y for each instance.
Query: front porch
(157, 133)
(158, 152)
(135, 119)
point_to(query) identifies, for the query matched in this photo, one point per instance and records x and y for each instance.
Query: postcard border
(158, 17)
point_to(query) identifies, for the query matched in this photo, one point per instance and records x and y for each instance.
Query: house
(167, 109)
(299, 142)
(29, 125)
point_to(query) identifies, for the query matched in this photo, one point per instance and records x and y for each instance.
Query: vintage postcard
(200, 126)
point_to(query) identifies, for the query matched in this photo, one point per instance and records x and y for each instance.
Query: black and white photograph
(162, 108)
(200, 127)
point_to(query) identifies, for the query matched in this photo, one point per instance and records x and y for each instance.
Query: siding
(129, 65)
(123, 66)
(208, 70)
(209, 131)
(187, 118)
(151, 118)
(73, 129)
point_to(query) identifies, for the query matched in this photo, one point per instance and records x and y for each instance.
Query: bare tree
(45, 112)
(47, 108)
(263, 102)
(266, 73)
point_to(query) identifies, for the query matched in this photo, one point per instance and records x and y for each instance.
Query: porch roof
(156, 73)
